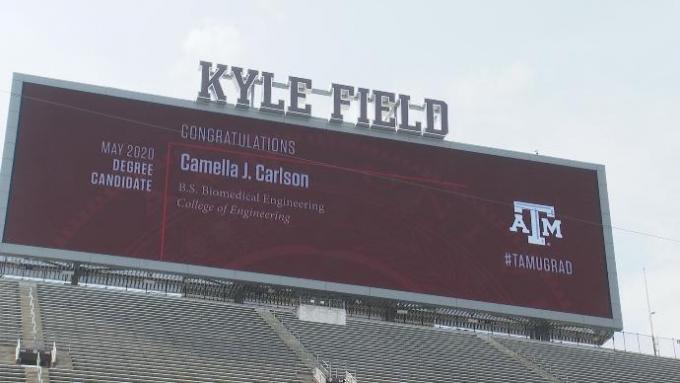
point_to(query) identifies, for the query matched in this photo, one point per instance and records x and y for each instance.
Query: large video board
(119, 178)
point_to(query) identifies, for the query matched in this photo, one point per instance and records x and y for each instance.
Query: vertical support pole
(75, 278)
(650, 312)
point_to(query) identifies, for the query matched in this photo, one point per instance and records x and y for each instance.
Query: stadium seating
(9, 373)
(10, 330)
(107, 335)
(10, 312)
(126, 337)
(586, 364)
(387, 352)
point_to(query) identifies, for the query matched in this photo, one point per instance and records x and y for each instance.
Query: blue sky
(583, 80)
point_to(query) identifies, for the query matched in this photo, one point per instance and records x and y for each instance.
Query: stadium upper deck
(109, 335)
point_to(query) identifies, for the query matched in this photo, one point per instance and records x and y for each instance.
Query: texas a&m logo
(541, 226)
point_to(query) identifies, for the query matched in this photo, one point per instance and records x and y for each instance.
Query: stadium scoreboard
(207, 188)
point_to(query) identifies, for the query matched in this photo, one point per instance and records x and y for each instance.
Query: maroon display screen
(107, 175)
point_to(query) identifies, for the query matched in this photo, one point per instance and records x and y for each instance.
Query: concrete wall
(321, 314)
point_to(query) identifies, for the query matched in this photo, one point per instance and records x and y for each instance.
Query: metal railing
(26, 268)
(644, 344)
(331, 368)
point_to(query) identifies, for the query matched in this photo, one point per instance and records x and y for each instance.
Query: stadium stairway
(31, 323)
(33, 375)
(309, 360)
(381, 352)
(520, 358)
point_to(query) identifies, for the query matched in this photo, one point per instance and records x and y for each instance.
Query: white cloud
(491, 89)
(271, 8)
(210, 41)
(492, 100)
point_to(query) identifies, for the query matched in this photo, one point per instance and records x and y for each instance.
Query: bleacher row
(382, 352)
(586, 364)
(114, 336)
(118, 337)
(10, 330)
(10, 313)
